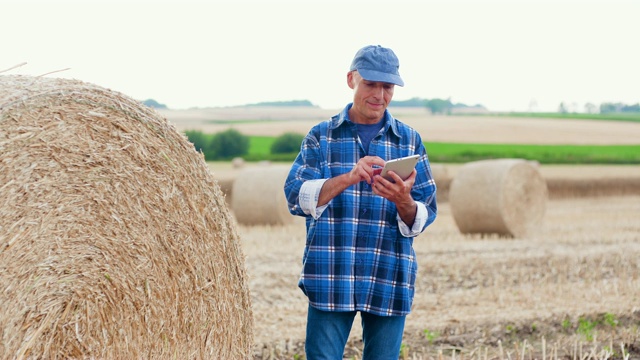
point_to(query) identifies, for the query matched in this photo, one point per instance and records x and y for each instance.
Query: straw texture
(443, 180)
(503, 196)
(115, 240)
(258, 196)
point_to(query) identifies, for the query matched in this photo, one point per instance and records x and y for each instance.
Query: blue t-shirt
(367, 132)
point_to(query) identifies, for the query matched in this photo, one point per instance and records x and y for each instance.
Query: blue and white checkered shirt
(359, 254)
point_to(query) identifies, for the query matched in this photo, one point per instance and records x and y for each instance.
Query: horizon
(287, 103)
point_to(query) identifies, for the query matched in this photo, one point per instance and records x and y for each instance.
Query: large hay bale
(443, 180)
(258, 196)
(115, 240)
(226, 186)
(504, 196)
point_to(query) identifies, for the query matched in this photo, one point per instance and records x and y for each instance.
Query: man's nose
(379, 92)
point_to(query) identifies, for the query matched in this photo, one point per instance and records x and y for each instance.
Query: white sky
(502, 54)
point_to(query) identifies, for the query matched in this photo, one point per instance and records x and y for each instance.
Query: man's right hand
(363, 170)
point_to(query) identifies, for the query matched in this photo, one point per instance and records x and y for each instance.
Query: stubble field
(570, 291)
(474, 293)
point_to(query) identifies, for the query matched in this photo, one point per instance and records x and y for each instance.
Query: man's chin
(377, 113)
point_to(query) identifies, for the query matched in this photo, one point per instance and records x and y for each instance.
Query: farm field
(434, 128)
(475, 293)
(570, 291)
(80, 179)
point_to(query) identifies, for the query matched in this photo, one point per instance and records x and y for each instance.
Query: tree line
(445, 106)
(436, 106)
(619, 108)
(230, 143)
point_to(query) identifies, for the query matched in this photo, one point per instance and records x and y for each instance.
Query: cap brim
(372, 75)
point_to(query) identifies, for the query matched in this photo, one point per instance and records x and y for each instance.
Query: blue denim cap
(376, 63)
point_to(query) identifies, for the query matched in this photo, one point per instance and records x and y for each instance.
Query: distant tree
(287, 143)
(619, 108)
(631, 108)
(439, 106)
(413, 102)
(562, 108)
(590, 108)
(436, 106)
(284, 103)
(198, 139)
(202, 142)
(154, 104)
(229, 144)
(611, 107)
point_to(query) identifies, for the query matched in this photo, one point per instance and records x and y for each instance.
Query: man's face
(370, 98)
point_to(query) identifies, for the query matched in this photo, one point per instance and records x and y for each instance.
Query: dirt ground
(480, 297)
(476, 294)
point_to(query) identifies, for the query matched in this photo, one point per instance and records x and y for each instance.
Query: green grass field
(546, 154)
(260, 146)
(259, 149)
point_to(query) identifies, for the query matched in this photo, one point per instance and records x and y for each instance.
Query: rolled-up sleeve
(418, 224)
(308, 198)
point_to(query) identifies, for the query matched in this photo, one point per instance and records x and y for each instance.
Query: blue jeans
(328, 332)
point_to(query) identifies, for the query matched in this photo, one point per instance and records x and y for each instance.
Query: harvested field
(487, 296)
(476, 295)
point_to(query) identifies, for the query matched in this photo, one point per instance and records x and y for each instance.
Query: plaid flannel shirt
(358, 254)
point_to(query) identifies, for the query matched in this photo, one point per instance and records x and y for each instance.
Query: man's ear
(351, 81)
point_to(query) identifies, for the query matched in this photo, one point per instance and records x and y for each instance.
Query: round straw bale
(503, 196)
(237, 162)
(439, 172)
(115, 240)
(258, 196)
(442, 179)
(226, 185)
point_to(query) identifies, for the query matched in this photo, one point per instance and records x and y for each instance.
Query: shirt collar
(389, 120)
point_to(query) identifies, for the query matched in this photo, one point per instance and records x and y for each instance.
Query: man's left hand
(397, 191)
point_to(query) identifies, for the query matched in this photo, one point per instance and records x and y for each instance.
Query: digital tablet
(402, 166)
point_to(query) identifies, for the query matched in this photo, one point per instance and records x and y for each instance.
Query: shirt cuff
(308, 198)
(418, 223)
